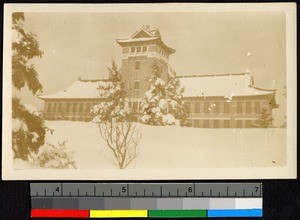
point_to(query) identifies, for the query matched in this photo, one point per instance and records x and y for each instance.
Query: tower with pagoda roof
(140, 52)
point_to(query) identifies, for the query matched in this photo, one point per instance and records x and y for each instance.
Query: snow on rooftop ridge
(93, 80)
(214, 74)
(236, 84)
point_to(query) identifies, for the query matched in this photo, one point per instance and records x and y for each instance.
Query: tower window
(137, 64)
(132, 49)
(144, 48)
(138, 49)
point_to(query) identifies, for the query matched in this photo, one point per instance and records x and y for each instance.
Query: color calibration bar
(86, 207)
(44, 213)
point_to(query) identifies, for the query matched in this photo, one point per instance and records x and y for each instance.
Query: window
(216, 124)
(227, 107)
(68, 108)
(248, 107)
(132, 49)
(49, 107)
(217, 107)
(257, 107)
(138, 49)
(59, 110)
(54, 107)
(226, 124)
(239, 123)
(206, 107)
(239, 107)
(74, 107)
(88, 108)
(81, 107)
(136, 85)
(197, 107)
(206, 123)
(144, 48)
(137, 64)
(248, 123)
(197, 123)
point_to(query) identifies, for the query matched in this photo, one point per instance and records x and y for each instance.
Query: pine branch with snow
(163, 103)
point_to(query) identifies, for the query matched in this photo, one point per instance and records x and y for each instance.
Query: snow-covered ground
(174, 147)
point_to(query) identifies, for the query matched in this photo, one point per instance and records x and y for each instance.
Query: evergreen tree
(163, 103)
(28, 126)
(177, 106)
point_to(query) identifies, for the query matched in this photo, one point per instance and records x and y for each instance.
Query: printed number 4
(57, 189)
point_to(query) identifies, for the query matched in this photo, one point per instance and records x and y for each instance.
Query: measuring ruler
(146, 200)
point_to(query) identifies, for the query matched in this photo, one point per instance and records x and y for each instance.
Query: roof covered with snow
(80, 89)
(145, 34)
(226, 85)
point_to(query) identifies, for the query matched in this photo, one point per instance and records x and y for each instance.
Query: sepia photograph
(160, 91)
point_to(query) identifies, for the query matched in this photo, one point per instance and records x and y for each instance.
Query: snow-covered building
(223, 100)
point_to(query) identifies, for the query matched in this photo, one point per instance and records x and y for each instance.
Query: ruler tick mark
(94, 190)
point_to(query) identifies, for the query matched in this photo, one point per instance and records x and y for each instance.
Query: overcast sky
(83, 44)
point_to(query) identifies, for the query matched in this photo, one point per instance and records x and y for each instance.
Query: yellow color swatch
(118, 213)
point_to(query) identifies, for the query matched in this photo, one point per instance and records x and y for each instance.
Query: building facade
(213, 101)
